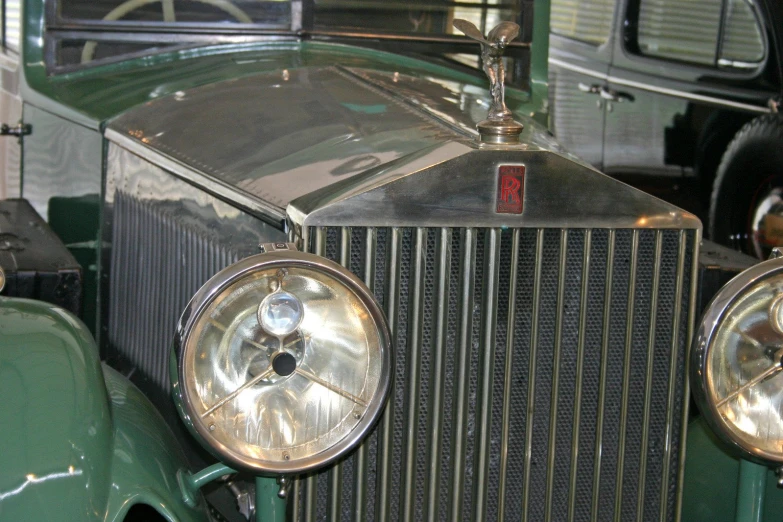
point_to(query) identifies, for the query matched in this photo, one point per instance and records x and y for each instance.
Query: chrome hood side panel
(276, 136)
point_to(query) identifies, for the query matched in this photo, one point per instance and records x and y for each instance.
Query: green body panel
(56, 439)
(146, 456)
(269, 506)
(721, 487)
(539, 63)
(79, 441)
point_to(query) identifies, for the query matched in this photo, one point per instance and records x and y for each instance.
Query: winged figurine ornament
(499, 120)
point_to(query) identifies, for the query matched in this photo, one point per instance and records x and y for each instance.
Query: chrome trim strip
(659, 90)
(462, 373)
(554, 399)
(686, 392)
(481, 467)
(438, 367)
(654, 290)
(675, 346)
(531, 387)
(415, 344)
(618, 497)
(257, 207)
(311, 489)
(296, 491)
(386, 427)
(507, 378)
(599, 430)
(577, 69)
(580, 358)
(760, 109)
(361, 471)
(336, 473)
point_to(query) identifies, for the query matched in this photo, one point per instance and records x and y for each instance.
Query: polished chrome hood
(339, 145)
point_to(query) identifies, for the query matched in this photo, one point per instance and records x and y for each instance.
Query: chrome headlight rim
(205, 296)
(712, 319)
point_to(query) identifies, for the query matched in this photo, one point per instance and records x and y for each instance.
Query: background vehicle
(540, 312)
(680, 90)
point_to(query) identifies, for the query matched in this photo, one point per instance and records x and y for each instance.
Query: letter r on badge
(509, 191)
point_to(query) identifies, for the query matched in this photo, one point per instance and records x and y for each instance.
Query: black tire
(751, 166)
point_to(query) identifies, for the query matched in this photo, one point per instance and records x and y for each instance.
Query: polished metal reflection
(266, 415)
(738, 360)
(499, 127)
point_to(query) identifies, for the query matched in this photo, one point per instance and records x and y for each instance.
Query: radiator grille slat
(438, 368)
(531, 374)
(508, 370)
(579, 377)
(670, 401)
(484, 417)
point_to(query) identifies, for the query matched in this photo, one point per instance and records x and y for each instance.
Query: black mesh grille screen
(587, 374)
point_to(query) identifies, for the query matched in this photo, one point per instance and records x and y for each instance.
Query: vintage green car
(369, 298)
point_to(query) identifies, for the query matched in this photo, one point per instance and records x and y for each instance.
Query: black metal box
(36, 264)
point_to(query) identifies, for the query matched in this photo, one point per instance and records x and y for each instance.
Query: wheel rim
(765, 221)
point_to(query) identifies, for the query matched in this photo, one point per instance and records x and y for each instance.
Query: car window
(411, 17)
(584, 20)
(11, 9)
(690, 31)
(743, 41)
(684, 30)
(266, 13)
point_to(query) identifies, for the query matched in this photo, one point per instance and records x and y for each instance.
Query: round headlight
(283, 362)
(738, 362)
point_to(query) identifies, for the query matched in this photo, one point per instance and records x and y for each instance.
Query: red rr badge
(511, 189)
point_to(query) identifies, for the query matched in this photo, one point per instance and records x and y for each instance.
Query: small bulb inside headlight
(283, 362)
(738, 362)
(280, 313)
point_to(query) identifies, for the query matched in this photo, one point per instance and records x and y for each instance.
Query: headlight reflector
(738, 362)
(283, 362)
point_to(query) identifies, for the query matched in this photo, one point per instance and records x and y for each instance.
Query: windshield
(97, 31)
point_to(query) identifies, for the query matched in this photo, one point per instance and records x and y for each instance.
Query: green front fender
(721, 487)
(78, 441)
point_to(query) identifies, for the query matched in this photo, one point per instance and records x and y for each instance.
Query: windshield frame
(183, 35)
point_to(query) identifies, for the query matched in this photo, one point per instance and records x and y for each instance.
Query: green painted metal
(539, 62)
(75, 221)
(718, 486)
(269, 506)
(56, 438)
(190, 484)
(79, 441)
(750, 492)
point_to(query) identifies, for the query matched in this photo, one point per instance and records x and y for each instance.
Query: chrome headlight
(283, 362)
(737, 362)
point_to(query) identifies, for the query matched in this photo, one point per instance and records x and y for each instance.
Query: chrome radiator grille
(540, 375)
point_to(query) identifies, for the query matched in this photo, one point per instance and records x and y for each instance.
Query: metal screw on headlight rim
(776, 253)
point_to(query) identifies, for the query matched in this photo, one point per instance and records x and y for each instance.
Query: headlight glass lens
(284, 364)
(743, 368)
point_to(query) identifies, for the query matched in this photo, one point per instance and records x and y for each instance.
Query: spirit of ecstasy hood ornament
(499, 127)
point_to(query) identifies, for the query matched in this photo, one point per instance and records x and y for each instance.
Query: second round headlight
(738, 362)
(283, 362)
